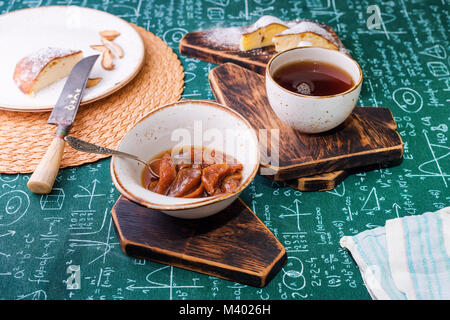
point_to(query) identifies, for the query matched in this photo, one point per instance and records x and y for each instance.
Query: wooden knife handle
(43, 177)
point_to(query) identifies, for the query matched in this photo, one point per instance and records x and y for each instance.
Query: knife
(63, 115)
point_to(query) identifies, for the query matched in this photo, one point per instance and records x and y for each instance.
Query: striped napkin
(408, 258)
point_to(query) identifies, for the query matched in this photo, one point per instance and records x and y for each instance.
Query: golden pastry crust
(292, 41)
(261, 32)
(29, 69)
(306, 31)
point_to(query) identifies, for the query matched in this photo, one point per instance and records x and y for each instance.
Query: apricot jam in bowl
(201, 156)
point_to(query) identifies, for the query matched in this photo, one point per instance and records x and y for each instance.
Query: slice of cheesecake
(305, 33)
(261, 32)
(44, 67)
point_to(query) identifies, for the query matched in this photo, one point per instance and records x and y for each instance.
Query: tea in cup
(313, 89)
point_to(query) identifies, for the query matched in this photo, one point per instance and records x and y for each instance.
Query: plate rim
(116, 87)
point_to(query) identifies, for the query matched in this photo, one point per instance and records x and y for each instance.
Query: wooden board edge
(209, 55)
(279, 261)
(312, 168)
(117, 227)
(320, 183)
(394, 123)
(323, 182)
(213, 85)
(257, 279)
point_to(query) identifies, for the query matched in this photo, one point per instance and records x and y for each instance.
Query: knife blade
(66, 107)
(63, 115)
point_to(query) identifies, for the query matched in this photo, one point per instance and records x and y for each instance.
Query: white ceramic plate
(28, 30)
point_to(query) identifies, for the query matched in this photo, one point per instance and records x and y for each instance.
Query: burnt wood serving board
(233, 244)
(321, 182)
(330, 180)
(367, 137)
(222, 45)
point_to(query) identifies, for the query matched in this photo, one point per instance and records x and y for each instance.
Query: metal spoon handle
(84, 146)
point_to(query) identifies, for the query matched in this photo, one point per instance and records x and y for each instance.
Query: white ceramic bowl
(203, 123)
(313, 114)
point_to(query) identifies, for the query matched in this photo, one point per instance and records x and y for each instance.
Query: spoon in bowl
(84, 146)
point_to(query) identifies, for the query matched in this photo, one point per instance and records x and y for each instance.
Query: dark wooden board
(233, 244)
(330, 180)
(321, 182)
(222, 45)
(203, 45)
(367, 137)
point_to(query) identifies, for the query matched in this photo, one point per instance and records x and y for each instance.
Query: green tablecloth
(406, 68)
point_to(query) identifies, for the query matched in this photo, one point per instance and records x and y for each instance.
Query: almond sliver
(109, 34)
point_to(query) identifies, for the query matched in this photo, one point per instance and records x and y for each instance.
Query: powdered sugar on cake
(33, 64)
(226, 38)
(229, 38)
(265, 21)
(309, 26)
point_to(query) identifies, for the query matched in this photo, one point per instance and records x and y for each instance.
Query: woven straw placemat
(25, 136)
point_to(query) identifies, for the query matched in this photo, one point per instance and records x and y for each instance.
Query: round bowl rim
(354, 87)
(208, 200)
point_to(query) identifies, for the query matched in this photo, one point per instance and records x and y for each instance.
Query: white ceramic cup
(313, 114)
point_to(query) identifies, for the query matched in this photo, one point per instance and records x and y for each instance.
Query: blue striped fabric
(371, 245)
(423, 246)
(426, 255)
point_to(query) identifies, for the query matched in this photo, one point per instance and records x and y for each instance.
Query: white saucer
(24, 31)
